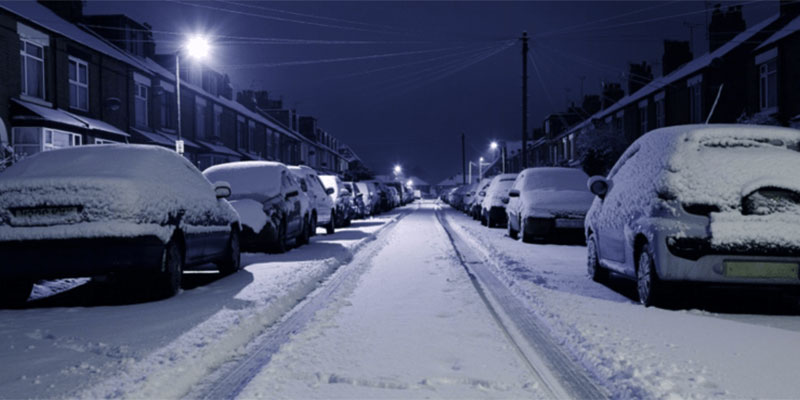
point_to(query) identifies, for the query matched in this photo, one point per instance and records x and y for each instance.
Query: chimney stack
(676, 53)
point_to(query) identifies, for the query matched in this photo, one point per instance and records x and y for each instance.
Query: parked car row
(141, 215)
(694, 204)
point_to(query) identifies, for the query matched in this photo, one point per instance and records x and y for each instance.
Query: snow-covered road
(412, 327)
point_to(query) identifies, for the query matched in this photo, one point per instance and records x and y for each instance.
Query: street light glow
(481, 159)
(493, 146)
(398, 169)
(198, 47)
(410, 183)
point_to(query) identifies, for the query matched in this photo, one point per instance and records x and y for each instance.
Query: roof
(687, 69)
(218, 148)
(67, 118)
(44, 17)
(153, 137)
(97, 125)
(790, 28)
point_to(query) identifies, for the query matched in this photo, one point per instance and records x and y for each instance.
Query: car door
(514, 203)
(291, 192)
(202, 244)
(615, 211)
(324, 204)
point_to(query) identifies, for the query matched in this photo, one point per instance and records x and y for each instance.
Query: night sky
(425, 71)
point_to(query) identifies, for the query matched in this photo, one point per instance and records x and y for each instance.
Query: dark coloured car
(274, 210)
(140, 213)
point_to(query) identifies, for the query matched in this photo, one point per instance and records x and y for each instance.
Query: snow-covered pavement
(411, 327)
(89, 342)
(645, 352)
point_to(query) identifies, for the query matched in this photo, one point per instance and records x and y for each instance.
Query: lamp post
(196, 47)
(495, 147)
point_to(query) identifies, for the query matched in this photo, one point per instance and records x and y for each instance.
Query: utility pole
(463, 161)
(524, 158)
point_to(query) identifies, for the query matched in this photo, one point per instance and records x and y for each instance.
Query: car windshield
(248, 177)
(556, 179)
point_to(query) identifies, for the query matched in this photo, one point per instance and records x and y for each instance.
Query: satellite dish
(112, 103)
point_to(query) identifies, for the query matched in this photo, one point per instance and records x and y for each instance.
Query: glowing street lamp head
(410, 183)
(197, 47)
(493, 146)
(398, 169)
(481, 159)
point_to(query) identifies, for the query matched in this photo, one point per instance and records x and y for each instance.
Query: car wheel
(330, 229)
(280, 243)
(232, 261)
(511, 232)
(15, 292)
(168, 280)
(648, 285)
(347, 222)
(313, 224)
(526, 237)
(306, 233)
(596, 272)
(483, 219)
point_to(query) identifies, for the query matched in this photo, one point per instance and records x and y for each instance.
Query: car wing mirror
(222, 189)
(329, 191)
(291, 194)
(599, 186)
(513, 193)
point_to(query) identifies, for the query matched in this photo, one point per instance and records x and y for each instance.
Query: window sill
(35, 100)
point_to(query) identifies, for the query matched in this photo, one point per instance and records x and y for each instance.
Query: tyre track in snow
(228, 381)
(563, 377)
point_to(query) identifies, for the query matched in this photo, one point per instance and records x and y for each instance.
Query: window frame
(768, 79)
(77, 83)
(137, 95)
(24, 56)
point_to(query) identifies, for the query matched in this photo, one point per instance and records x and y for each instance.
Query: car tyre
(650, 288)
(233, 260)
(305, 235)
(526, 237)
(595, 270)
(168, 280)
(280, 244)
(330, 229)
(313, 224)
(15, 292)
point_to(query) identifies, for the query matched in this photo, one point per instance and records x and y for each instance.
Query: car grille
(45, 215)
(694, 248)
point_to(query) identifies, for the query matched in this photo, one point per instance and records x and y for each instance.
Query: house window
(251, 133)
(141, 100)
(166, 105)
(78, 84)
(241, 133)
(695, 99)
(768, 85)
(200, 118)
(661, 111)
(103, 141)
(28, 141)
(32, 65)
(217, 121)
(643, 117)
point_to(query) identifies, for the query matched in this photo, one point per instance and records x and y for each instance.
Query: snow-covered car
(272, 207)
(476, 208)
(548, 203)
(141, 213)
(367, 189)
(342, 200)
(322, 207)
(493, 206)
(700, 203)
(359, 207)
(467, 196)
(381, 196)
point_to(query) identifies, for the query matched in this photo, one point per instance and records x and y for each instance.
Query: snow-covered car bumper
(547, 226)
(258, 241)
(81, 257)
(497, 215)
(691, 259)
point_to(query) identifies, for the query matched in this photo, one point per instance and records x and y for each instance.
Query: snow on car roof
(249, 178)
(109, 160)
(555, 178)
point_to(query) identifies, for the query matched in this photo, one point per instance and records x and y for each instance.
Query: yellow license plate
(761, 269)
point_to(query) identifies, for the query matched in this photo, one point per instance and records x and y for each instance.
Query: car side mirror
(222, 189)
(513, 193)
(599, 186)
(329, 191)
(483, 193)
(291, 194)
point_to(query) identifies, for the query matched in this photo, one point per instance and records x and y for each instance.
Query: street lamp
(495, 147)
(196, 47)
(398, 169)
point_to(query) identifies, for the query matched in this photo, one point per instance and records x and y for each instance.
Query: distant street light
(198, 48)
(495, 147)
(398, 169)
(410, 183)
